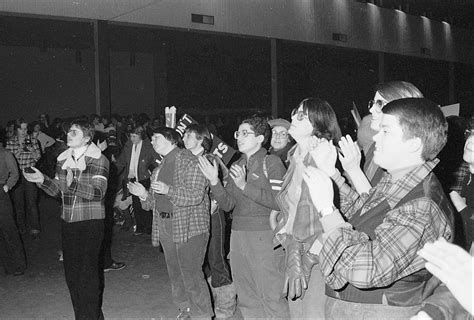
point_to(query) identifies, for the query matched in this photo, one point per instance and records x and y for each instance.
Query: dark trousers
(106, 251)
(184, 263)
(25, 202)
(143, 218)
(12, 254)
(217, 267)
(81, 248)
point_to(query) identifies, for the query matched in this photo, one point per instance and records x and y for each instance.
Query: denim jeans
(11, 248)
(184, 262)
(339, 309)
(257, 271)
(82, 242)
(217, 267)
(25, 202)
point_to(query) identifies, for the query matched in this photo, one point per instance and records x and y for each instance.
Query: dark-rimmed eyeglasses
(243, 134)
(378, 103)
(300, 115)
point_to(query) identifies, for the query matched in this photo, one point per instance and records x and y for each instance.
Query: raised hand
(453, 266)
(350, 155)
(324, 155)
(458, 201)
(238, 174)
(209, 170)
(320, 188)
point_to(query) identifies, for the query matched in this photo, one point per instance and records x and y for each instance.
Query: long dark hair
(322, 117)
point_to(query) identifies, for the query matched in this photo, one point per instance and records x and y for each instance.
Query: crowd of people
(322, 225)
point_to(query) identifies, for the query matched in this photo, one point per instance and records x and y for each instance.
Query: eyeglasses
(468, 133)
(281, 134)
(300, 115)
(243, 134)
(378, 103)
(73, 133)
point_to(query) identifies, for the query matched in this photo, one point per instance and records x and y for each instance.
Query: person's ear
(415, 145)
(260, 138)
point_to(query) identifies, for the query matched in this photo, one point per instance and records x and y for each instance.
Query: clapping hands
(350, 154)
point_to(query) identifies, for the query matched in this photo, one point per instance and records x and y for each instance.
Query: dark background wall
(213, 74)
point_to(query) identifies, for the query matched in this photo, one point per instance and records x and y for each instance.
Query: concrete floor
(140, 291)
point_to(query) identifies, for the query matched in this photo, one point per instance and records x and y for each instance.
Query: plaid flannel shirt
(189, 195)
(25, 158)
(459, 176)
(84, 199)
(350, 256)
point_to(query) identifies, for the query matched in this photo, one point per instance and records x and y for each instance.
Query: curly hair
(260, 126)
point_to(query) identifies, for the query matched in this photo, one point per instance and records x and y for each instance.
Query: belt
(166, 215)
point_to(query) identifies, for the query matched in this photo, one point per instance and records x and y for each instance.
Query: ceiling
(459, 13)
(68, 24)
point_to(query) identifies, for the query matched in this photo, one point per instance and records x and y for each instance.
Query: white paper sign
(451, 110)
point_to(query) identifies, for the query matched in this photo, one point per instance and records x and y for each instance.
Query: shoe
(18, 273)
(115, 266)
(184, 314)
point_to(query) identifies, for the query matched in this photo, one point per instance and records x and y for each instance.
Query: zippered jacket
(253, 204)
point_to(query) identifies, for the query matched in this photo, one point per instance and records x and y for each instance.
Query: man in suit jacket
(137, 160)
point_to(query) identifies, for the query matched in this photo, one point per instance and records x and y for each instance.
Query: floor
(140, 291)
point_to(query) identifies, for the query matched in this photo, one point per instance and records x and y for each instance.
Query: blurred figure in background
(136, 162)
(27, 152)
(43, 139)
(12, 254)
(281, 141)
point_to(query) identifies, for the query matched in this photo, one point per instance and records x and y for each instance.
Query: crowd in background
(245, 191)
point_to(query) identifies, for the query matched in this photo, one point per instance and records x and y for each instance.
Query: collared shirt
(459, 176)
(25, 158)
(350, 256)
(133, 168)
(189, 195)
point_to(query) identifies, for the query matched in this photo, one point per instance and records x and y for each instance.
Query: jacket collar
(92, 151)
